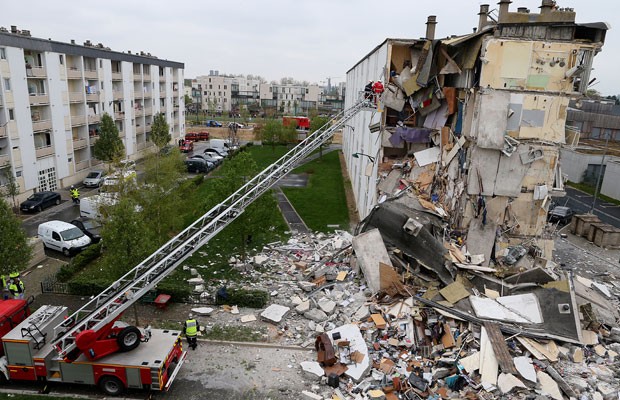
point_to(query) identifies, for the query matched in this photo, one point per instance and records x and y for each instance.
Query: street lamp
(371, 158)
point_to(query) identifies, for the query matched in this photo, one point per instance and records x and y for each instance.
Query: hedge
(245, 298)
(79, 262)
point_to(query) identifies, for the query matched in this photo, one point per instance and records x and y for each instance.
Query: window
(102, 88)
(100, 63)
(56, 236)
(61, 58)
(11, 115)
(2, 54)
(7, 84)
(225, 87)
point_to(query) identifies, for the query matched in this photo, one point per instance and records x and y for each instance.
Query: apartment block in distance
(468, 132)
(52, 98)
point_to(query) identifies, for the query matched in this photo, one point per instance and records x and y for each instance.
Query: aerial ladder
(93, 330)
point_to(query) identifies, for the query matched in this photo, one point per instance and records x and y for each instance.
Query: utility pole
(600, 174)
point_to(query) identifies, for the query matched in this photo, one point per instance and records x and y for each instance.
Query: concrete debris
(274, 313)
(398, 326)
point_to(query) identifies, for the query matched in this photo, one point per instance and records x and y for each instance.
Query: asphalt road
(581, 202)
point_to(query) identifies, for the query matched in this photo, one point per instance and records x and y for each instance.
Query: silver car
(94, 179)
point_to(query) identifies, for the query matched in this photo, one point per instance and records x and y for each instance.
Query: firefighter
(75, 195)
(368, 91)
(191, 327)
(16, 286)
(377, 89)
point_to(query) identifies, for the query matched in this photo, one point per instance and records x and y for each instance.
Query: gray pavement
(581, 202)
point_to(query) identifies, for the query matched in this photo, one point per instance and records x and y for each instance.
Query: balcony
(175, 93)
(94, 119)
(77, 120)
(45, 125)
(139, 130)
(45, 151)
(36, 72)
(139, 112)
(93, 97)
(162, 93)
(76, 97)
(163, 108)
(3, 131)
(162, 78)
(4, 159)
(147, 77)
(91, 74)
(74, 73)
(148, 110)
(117, 95)
(137, 76)
(117, 76)
(119, 115)
(38, 98)
(148, 94)
(79, 166)
(79, 143)
(141, 146)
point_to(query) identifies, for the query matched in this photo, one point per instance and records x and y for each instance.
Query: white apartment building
(290, 98)
(224, 93)
(52, 98)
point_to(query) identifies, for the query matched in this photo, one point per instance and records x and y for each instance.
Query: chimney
(523, 10)
(504, 6)
(484, 11)
(431, 21)
(72, 41)
(13, 28)
(546, 6)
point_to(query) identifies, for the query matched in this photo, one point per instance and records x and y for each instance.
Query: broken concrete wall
(530, 65)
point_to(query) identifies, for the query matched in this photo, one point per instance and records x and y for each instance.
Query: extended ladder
(109, 304)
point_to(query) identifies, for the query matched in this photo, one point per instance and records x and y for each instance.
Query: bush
(177, 293)
(245, 298)
(79, 262)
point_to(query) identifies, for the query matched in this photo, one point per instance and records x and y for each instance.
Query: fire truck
(303, 123)
(92, 345)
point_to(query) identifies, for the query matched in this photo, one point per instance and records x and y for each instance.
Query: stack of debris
(430, 330)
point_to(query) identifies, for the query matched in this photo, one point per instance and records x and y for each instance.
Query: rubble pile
(383, 325)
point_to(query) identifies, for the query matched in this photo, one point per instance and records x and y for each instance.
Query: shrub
(79, 262)
(245, 298)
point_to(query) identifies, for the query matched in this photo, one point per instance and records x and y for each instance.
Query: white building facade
(52, 98)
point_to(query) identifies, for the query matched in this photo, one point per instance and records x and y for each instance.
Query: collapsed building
(469, 128)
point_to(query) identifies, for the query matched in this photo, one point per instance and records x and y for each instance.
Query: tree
(109, 147)
(15, 252)
(271, 132)
(11, 187)
(188, 100)
(256, 218)
(160, 131)
(128, 236)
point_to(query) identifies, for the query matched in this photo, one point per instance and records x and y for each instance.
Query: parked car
(514, 254)
(217, 160)
(90, 227)
(560, 214)
(63, 237)
(186, 146)
(40, 201)
(237, 124)
(214, 123)
(94, 179)
(218, 152)
(198, 165)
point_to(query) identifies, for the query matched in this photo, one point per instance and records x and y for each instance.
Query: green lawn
(323, 202)
(584, 187)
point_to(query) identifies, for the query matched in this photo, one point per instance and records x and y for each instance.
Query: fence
(51, 285)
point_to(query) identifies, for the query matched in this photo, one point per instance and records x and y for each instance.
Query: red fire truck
(303, 123)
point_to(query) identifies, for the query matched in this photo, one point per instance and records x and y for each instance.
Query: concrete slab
(274, 313)
(352, 333)
(371, 251)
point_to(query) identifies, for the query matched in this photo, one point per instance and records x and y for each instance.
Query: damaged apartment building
(465, 140)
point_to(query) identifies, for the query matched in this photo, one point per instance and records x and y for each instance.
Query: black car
(90, 227)
(39, 201)
(198, 165)
(561, 214)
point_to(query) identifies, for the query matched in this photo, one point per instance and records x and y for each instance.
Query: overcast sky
(308, 40)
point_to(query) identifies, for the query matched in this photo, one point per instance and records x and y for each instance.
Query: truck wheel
(111, 385)
(129, 338)
(66, 252)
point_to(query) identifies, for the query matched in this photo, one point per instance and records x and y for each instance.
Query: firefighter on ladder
(191, 327)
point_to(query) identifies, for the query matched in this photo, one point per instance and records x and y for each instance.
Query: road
(581, 202)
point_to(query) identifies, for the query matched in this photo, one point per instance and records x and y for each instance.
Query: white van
(62, 236)
(90, 207)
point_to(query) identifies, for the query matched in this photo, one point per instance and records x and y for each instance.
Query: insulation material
(427, 156)
(493, 122)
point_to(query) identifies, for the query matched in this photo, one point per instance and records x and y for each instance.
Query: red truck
(303, 123)
(197, 136)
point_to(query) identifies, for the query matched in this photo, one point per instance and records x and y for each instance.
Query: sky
(308, 40)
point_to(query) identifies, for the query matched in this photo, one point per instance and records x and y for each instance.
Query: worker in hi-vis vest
(16, 286)
(191, 331)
